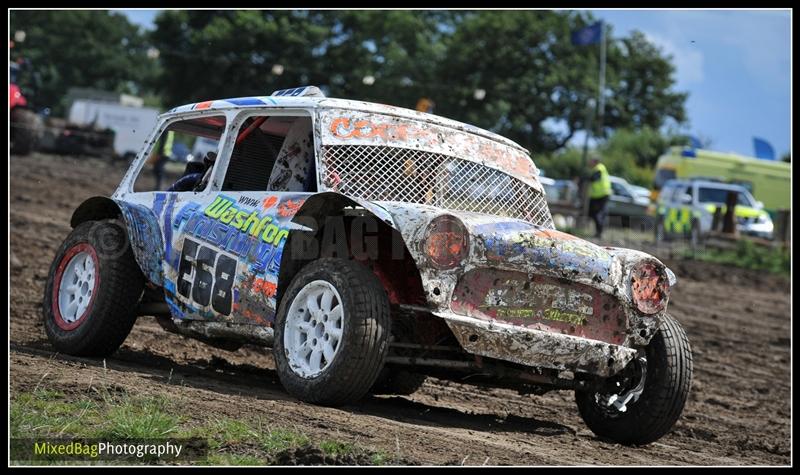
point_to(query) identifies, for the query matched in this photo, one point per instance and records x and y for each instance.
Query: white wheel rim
(76, 287)
(314, 326)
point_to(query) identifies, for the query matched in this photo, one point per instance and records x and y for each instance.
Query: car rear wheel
(643, 402)
(92, 290)
(331, 332)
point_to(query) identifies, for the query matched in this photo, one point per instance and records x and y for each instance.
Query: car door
(172, 189)
(679, 210)
(228, 242)
(621, 201)
(669, 207)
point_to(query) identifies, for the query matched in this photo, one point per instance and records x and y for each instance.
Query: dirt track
(738, 323)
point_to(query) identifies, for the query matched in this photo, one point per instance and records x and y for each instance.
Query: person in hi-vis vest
(599, 193)
(160, 157)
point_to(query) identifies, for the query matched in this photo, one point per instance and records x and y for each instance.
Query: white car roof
(707, 184)
(309, 102)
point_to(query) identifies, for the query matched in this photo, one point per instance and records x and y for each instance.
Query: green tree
(79, 48)
(399, 49)
(535, 78)
(531, 73)
(630, 154)
(538, 86)
(566, 163)
(234, 53)
(640, 86)
(210, 55)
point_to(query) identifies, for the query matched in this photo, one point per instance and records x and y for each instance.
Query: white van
(131, 125)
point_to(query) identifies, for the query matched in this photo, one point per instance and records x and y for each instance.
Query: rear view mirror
(686, 198)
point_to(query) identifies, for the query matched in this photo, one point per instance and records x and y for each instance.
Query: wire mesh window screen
(379, 173)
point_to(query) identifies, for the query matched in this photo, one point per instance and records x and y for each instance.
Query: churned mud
(738, 323)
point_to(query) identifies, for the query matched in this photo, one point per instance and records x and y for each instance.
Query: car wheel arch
(323, 205)
(93, 209)
(141, 230)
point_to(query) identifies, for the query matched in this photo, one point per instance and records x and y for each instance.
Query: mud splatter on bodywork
(526, 293)
(522, 292)
(344, 127)
(228, 253)
(539, 348)
(541, 303)
(295, 159)
(144, 235)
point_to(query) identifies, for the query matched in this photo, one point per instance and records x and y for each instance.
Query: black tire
(398, 381)
(26, 128)
(669, 377)
(110, 315)
(361, 352)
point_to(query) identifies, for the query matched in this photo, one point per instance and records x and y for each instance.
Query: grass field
(114, 414)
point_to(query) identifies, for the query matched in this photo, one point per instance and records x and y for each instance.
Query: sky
(735, 65)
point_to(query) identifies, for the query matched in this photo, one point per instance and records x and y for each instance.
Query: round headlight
(649, 287)
(446, 242)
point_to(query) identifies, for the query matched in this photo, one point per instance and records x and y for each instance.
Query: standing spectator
(599, 193)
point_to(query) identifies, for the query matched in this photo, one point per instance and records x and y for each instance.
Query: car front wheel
(643, 402)
(92, 290)
(331, 332)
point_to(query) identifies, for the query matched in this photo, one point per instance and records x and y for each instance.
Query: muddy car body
(381, 245)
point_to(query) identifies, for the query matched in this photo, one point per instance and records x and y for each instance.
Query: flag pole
(584, 190)
(601, 105)
(601, 97)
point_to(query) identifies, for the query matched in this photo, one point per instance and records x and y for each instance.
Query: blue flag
(589, 35)
(763, 149)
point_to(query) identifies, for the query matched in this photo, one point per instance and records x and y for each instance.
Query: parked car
(550, 190)
(625, 202)
(686, 208)
(567, 191)
(350, 237)
(641, 191)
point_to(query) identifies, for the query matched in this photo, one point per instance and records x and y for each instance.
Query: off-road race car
(371, 246)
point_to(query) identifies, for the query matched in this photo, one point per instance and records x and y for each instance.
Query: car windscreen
(720, 195)
(662, 175)
(619, 189)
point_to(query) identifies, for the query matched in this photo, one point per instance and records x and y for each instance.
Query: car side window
(668, 193)
(619, 190)
(182, 155)
(272, 153)
(687, 190)
(744, 200)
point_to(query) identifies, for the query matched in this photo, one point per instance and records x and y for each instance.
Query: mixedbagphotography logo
(129, 450)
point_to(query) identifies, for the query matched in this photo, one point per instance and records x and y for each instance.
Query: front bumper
(762, 230)
(537, 348)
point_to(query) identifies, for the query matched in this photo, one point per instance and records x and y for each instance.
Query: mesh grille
(378, 173)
